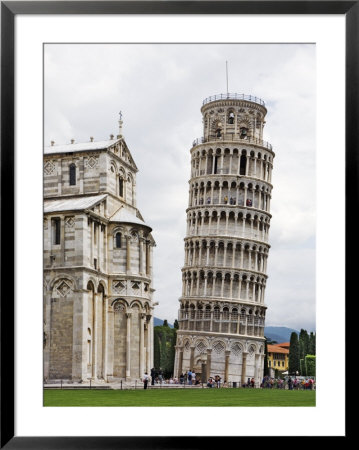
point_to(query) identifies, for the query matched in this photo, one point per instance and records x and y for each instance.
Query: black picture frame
(9, 9)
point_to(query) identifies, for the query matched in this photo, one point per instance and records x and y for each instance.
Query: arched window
(121, 187)
(243, 163)
(231, 117)
(72, 174)
(118, 240)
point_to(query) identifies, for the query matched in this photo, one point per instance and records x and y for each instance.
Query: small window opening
(118, 240)
(56, 228)
(243, 133)
(72, 175)
(121, 187)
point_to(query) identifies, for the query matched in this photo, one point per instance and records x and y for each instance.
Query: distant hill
(159, 322)
(279, 334)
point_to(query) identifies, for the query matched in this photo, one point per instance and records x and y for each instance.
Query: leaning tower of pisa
(222, 309)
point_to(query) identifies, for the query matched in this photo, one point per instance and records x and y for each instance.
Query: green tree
(310, 365)
(302, 368)
(293, 354)
(163, 363)
(156, 348)
(303, 343)
(175, 324)
(164, 349)
(312, 349)
(165, 323)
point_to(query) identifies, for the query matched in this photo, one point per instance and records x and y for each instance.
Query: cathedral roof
(71, 204)
(82, 146)
(125, 216)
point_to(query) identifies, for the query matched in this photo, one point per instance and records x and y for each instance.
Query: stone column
(94, 338)
(147, 257)
(106, 250)
(256, 368)
(226, 365)
(205, 285)
(142, 344)
(215, 253)
(222, 161)
(105, 339)
(128, 254)
(231, 286)
(244, 367)
(150, 259)
(180, 360)
(141, 256)
(209, 358)
(110, 341)
(199, 263)
(128, 345)
(98, 240)
(191, 361)
(150, 324)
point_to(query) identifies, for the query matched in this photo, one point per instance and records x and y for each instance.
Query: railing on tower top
(232, 137)
(229, 96)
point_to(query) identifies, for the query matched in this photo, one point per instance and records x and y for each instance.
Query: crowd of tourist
(191, 379)
(304, 383)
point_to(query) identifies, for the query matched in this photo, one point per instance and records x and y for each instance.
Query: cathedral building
(98, 306)
(222, 309)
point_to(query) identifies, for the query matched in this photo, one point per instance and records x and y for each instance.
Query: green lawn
(179, 397)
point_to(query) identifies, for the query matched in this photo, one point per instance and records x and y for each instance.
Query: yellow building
(278, 356)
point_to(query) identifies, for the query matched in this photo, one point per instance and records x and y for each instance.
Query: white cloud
(160, 89)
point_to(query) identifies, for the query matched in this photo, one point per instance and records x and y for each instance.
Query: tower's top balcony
(234, 117)
(234, 138)
(228, 96)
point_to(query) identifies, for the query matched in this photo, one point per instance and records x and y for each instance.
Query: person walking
(290, 384)
(153, 376)
(189, 377)
(145, 380)
(193, 377)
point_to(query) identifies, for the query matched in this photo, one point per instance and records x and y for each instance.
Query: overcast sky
(160, 88)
